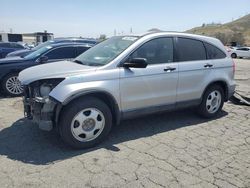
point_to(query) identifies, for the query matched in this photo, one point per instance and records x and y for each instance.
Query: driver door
(153, 87)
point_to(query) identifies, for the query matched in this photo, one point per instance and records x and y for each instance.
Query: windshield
(106, 51)
(37, 53)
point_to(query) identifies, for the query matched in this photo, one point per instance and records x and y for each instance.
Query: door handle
(208, 65)
(170, 69)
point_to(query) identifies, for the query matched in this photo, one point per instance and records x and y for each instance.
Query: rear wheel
(85, 123)
(11, 85)
(212, 102)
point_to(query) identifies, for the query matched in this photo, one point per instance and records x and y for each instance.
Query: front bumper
(39, 110)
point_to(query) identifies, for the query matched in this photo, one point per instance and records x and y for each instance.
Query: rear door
(199, 64)
(193, 68)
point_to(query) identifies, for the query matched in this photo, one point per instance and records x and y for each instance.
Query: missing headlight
(42, 88)
(45, 89)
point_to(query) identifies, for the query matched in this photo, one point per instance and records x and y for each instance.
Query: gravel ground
(176, 149)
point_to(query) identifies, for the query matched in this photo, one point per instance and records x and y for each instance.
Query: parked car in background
(24, 52)
(11, 66)
(7, 47)
(125, 77)
(240, 52)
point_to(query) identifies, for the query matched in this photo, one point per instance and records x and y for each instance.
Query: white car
(241, 52)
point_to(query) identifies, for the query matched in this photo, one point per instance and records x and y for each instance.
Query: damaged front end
(38, 106)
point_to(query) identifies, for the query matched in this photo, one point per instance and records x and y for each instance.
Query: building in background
(11, 37)
(29, 38)
(37, 37)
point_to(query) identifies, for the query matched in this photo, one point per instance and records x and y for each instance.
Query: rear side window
(62, 53)
(81, 49)
(243, 49)
(190, 50)
(214, 52)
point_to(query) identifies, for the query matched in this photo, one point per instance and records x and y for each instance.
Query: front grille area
(26, 102)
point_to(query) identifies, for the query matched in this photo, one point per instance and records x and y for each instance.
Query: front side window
(38, 52)
(156, 51)
(106, 51)
(213, 52)
(190, 50)
(62, 53)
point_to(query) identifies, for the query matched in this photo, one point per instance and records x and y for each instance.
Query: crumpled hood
(60, 69)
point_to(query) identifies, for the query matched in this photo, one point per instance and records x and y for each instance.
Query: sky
(90, 18)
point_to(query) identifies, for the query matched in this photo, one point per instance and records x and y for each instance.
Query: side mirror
(43, 59)
(136, 63)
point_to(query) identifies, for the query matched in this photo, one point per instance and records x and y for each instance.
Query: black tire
(203, 109)
(71, 110)
(4, 85)
(234, 55)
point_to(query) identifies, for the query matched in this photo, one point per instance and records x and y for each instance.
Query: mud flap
(239, 99)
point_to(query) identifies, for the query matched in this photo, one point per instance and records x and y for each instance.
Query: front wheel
(212, 102)
(234, 55)
(85, 122)
(12, 86)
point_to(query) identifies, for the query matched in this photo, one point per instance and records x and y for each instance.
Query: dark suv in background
(24, 52)
(11, 66)
(7, 47)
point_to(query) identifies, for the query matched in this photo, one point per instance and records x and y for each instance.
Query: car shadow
(23, 141)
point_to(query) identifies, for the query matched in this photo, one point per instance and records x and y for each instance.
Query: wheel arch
(222, 84)
(106, 97)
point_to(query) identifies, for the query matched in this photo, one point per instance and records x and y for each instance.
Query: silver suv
(125, 77)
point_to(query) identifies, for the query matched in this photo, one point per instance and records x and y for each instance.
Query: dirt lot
(175, 149)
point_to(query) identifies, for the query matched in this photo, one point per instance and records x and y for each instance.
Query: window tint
(156, 51)
(62, 53)
(243, 49)
(81, 49)
(190, 50)
(214, 52)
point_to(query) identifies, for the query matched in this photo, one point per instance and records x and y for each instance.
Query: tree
(238, 38)
(222, 37)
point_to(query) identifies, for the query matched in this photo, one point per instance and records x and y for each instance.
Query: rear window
(214, 52)
(15, 45)
(190, 50)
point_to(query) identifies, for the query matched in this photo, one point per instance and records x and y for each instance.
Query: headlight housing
(45, 89)
(42, 88)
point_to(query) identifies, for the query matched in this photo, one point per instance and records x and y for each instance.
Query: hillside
(238, 27)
